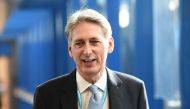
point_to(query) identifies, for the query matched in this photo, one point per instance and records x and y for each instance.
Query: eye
(94, 42)
(78, 44)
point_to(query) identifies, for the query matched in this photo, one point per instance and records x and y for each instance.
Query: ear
(110, 44)
(70, 51)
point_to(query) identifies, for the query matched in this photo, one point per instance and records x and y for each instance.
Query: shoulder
(128, 77)
(130, 87)
(125, 78)
(60, 82)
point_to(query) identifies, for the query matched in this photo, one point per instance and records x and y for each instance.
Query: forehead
(87, 30)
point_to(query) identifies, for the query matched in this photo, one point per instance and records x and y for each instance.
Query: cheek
(76, 54)
(103, 53)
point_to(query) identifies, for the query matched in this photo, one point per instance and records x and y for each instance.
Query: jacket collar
(68, 96)
(114, 90)
(69, 92)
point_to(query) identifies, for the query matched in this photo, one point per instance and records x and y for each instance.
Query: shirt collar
(83, 84)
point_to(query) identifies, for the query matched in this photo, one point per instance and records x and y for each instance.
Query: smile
(88, 60)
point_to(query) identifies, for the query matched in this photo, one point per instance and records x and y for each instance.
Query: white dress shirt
(86, 94)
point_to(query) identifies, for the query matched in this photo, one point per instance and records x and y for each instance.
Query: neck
(93, 79)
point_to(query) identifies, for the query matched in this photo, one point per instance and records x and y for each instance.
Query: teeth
(87, 60)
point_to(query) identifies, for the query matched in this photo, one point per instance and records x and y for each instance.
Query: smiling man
(91, 85)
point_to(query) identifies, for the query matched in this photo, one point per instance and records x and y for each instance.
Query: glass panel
(166, 51)
(127, 39)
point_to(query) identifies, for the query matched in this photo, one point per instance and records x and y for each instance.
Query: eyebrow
(94, 38)
(78, 40)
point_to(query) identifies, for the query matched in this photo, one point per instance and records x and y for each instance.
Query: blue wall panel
(185, 54)
(93, 4)
(5, 49)
(114, 59)
(143, 56)
(35, 52)
(61, 48)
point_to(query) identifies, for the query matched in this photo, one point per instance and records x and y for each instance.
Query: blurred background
(151, 42)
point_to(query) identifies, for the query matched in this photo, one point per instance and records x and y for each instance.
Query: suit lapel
(68, 97)
(68, 94)
(115, 90)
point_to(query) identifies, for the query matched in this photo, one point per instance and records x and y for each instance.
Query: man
(89, 42)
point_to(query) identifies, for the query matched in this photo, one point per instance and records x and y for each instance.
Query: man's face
(89, 49)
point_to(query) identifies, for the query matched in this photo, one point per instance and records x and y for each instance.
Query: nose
(87, 49)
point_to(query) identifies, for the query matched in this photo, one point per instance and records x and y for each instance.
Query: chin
(90, 71)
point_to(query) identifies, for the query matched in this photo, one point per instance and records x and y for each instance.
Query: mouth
(88, 60)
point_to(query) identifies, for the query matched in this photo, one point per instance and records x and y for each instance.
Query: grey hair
(87, 15)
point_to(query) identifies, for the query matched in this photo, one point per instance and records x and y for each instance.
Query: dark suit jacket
(124, 91)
